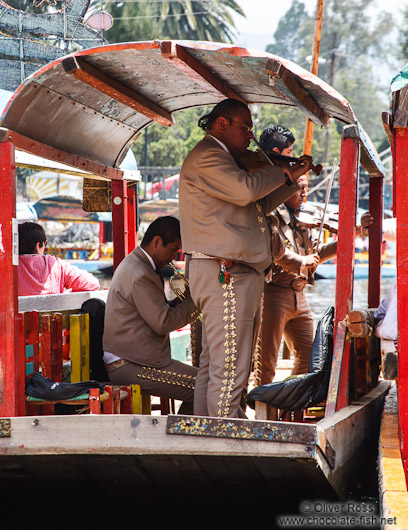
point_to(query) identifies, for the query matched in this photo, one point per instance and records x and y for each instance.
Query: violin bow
(262, 150)
(329, 187)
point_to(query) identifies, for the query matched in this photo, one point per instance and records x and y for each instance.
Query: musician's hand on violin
(299, 168)
(312, 261)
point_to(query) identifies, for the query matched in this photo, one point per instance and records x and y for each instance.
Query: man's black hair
(29, 234)
(227, 108)
(167, 227)
(276, 136)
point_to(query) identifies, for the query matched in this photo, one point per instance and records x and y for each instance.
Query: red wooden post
(45, 345)
(12, 363)
(31, 334)
(131, 215)
(94, 401)
(107, 406)
(375, 241)
(124, 227)
(119, 221)
(349, 166)
(45, 354)
(400, 137)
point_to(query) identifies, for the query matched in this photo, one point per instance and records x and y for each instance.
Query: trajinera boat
(85, 110)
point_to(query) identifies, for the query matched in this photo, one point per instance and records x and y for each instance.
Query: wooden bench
(56, 336)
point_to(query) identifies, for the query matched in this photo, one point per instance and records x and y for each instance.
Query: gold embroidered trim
(230, 344)
(170, 378)
(193, 343)
(257, 354)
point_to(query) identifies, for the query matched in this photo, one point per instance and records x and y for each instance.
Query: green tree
(291, 34)
(167, 147)
(352, 46)
(207, 20)
(402, 51)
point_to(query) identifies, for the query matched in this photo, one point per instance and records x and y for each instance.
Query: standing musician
(285, 310)
(227, 240)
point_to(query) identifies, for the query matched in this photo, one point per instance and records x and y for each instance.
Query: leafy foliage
(351, 48)
(207, 20)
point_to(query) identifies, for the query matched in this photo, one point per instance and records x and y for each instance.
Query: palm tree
(172, 19)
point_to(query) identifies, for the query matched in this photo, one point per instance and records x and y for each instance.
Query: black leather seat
(306, 390)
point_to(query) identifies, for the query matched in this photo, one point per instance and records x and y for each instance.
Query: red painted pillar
(375, 241)
(400, 137)
(11, 358)
(123, 220)
(119, 221)
(349, 166)
(131, 213)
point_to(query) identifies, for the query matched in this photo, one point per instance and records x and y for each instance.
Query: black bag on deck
(304, 390)
(96, 309)
(41, 387)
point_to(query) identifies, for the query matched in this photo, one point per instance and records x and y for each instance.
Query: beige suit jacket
(288, 266)
(138, 318)
(223, 207)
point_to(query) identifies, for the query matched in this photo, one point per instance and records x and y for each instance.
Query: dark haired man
(286, 311)
(40, 273)
(226, 234)
(138, 319)
(277, 138)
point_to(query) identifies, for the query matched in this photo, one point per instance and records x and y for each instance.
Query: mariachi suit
(286, 311)
(222, 214)
(138, 322)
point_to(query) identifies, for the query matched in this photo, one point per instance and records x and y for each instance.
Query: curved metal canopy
(88, 107)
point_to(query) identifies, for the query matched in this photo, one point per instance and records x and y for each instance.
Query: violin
(254, 160)
(307, 218)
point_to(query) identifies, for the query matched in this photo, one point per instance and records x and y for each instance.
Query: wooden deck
(196, 454)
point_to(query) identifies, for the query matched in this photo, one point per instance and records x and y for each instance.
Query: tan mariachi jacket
(138, 318)
(287, 270)
(222, 207)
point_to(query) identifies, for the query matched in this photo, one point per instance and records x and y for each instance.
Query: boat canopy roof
(86, 109)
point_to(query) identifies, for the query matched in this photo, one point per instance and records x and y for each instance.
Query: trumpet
(178, 292)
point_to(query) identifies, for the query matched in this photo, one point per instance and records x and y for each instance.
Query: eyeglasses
(246, 128)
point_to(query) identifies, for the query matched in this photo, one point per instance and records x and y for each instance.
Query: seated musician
(286, 311)
(40, 273)
(138, 320)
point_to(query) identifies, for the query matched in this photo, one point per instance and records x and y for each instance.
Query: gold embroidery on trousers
(170, 378)
(230, 344)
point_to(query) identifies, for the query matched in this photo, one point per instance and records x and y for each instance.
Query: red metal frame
(400, 137)
(349, 170)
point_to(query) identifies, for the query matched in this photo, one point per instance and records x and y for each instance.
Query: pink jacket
(50, 275)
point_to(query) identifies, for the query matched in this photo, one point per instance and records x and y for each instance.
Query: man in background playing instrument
(227, 239)
(285, 310)
(138, 320)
